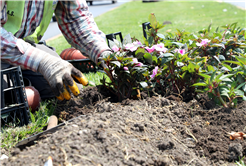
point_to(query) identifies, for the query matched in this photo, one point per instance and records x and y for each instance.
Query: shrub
(182, 64)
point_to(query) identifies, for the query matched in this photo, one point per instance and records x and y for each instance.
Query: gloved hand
(59, 73)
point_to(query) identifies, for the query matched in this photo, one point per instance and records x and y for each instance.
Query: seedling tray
(85, 65)
(14, 105)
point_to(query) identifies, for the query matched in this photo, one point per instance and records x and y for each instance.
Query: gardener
(23, 24)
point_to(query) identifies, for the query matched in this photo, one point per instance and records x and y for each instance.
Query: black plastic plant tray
(84, 65)
(14, 105)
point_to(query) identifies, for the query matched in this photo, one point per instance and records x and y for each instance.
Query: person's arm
(79, 28)
(55, 70)
(16, 51)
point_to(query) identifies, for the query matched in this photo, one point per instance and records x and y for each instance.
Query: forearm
(80, 29)
(18, 52)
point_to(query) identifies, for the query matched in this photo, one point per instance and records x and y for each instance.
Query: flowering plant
(180, 64)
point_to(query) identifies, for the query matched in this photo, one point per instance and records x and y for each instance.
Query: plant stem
(220, 98)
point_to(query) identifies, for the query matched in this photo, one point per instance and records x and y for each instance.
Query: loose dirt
(154, 131)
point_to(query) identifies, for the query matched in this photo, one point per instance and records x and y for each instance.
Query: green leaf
(160, 35)
(215, 57)
(222, 57)
(165, 60)
(150, 40)
(227, 66)
(148, 58)
(210, 68)
(140, 53)
(234, 62)
(225, 77)
(179, 64)
(212, 76)
(191, 67)
(127, 39)
(218, 45)
(223, 93)
(166, 55)
(239, 86)
(178, 44)
(241, 59)
(154, 58)
(205, 76)
(117, 63)
(200, 84)
(153, 21)
(209, 27)
(239, 93)
(217, 29)
(144, 84)
(32, 117)
(244, 88)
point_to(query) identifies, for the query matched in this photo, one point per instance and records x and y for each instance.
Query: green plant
(12, 135)
(240, 162)
(183, 63)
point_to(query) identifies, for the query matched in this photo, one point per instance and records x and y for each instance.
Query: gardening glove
(59, 73)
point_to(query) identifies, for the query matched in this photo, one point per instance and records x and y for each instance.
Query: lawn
(188, 16)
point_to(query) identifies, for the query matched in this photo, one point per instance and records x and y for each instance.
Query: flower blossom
(181, 51)
(115, 48)
(137, 64)
(133, 46)
(150, 50)
(160, 47)
(204, 42)
(125, 68)
(154, 72)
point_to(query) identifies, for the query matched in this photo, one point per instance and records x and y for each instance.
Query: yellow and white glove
(59, 74)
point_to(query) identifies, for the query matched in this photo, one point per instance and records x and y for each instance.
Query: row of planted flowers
(182, 64)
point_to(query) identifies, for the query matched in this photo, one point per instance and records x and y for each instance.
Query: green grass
(188, 16)
(96, 77)
(128, 18)
(12, 135)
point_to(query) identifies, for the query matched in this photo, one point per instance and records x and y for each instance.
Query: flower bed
(183, 64)
(190, 110)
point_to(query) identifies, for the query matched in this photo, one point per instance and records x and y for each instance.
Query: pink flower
(154, 72)
(135, 61)
(160, 47)
(115, 48)
(133, 46)
(139, 64)
(125, 68)
(150, 50)
(181, 51)
(204, 42)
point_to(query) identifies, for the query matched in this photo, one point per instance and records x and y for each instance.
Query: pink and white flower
(160, 47)
(154, 72)
(125, 68)
(204, 42)
(133, 46)
(137, 64)
(181, 51)
(115, 48)
(150, 50)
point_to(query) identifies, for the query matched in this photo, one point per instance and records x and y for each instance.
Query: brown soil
(155, 131)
